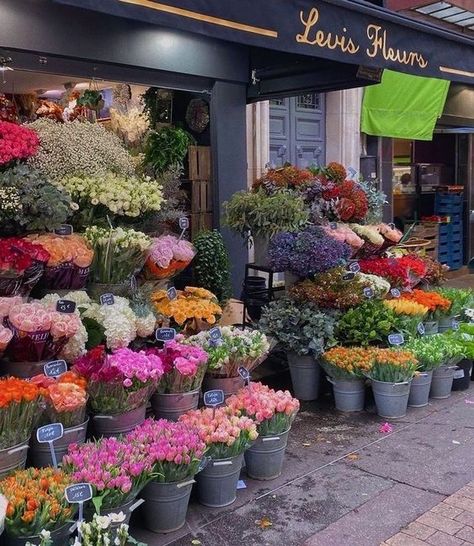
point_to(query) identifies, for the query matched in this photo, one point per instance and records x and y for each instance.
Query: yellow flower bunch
(192, 303)
(407, 307)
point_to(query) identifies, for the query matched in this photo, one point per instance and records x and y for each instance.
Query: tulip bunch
(36, 501)
(393, 365)
(273, 411)
(403, 306)
(225, 432)
(435, 302)
(429, 351)
(173, 450)
(347, 362)
(117, 470)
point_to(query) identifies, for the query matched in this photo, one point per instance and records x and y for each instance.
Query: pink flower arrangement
(167, 256)
(16, 142)
(344, 234)
(184, 367)
(119, 382)
(273, 411)
(39, 332)
(391, 234)
(117, 470)
(225, 432)
(174, 450)
(5, 337)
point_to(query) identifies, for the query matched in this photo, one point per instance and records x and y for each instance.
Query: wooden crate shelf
(200, 167)
(201, 196)
(199, 222)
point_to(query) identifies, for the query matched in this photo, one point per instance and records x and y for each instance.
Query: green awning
(403, 106)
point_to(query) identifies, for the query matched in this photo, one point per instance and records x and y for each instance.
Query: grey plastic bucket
(264, 460)
(166, 505)
(391, 399)
(172, 406)
(349, 395)
(13, 458)
(445, 324)
(230, 385)
(115, 425)
(431, 327)
(40, 454)
(420, 390)
(217, 483)
(442, 382)
(305, 375)
(59, 537)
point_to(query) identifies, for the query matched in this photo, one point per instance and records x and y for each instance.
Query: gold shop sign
(378, 38)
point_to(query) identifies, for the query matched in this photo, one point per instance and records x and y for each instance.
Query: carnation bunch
(347, 362)
(173, 450)
(168, 256)
(225, 432)
(273, 411)
(392, 365)
(16, 142)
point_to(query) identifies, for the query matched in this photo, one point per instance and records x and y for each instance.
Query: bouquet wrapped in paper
(167, 256)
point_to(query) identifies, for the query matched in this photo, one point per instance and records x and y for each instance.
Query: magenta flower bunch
(184, 367)
(117, 470)
(174, 450)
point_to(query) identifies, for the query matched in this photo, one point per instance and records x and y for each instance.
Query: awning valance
(347, 31)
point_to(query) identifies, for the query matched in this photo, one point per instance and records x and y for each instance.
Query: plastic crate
(453, 265)
(450, 197)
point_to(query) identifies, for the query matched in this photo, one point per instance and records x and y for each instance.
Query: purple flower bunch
(173, 450)
(117, 470)
(307, 253)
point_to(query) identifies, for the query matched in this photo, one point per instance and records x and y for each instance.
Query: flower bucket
(420, 390)
(23, 370)
(96, 290)
(442, 382)
(462, 377)
(59, 537)
(230, 385)
(431, 327)
(40, 454)
(264, 460)
(115, 425)
(166, 505)
(13, 458)
(217, 483)
(305, 375)
(172, 406)
(445, 324)
(391, 399)
(349, 395)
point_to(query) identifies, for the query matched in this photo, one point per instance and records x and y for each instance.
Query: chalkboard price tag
(455, 324)
(55, 368)
(333, 225)
(184, 222)
(244, 374)
(421, 329)
(369, 293)
(107, 299)
(395, 292)
(213, 398)
(65, 306)
(78, 493)
(348, 276)
(215, 334)
(172, 293)
(354, 267)
(165, 334)
(50, 433)
(396, 339)
(64, 229)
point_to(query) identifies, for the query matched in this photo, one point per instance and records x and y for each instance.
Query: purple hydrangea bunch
(307, 253)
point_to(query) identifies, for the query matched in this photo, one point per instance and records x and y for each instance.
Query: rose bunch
(173, 450)
(16, 142)
(36, 501)
(117, 470)
(167, 257)
(273, 411)
(347, 362)
(184, 367)
(392, 365)
(225, 432)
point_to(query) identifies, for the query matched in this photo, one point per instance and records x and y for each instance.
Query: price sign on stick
(348, 276)
(184, 225)
(395, 292)
(65, 306)
(55, 368)
(421, 329)
(165, 334)
(64, 229)
(214, 398)
(354, 267)
(79, 493)
(171, 293)
(368, 293)
(244, 374)
(396, 339)
(107, 299)
(47, 435)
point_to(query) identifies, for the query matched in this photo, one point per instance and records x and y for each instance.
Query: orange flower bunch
(64, 248)
(393, 365)
(36, 501)
(433, 300)
(340, 362)
(192, 303)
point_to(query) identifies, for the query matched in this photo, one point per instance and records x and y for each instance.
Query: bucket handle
(135, 505)
(331, 380)
(222, 463)
(16, 449)
(401, 383)
(271, 439)
(184, 484)
(102, 417)
(74, 429)
(422, 374)
(453, 368)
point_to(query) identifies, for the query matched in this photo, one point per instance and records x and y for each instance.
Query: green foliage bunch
(460, 298)
(166, 148)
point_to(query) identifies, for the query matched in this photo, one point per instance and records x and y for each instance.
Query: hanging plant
(166, 148)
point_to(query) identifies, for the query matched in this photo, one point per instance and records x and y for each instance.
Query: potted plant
(274, 412)
(119, 387)
(391, 375)
(346, 367)
(227, 435)
(36, 503)
(304, 332)
(65, 400)
(179, 387)
(235, 348)
(174, 453)
(20, 408)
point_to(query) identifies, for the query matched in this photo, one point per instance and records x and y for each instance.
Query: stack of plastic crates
(450, 249)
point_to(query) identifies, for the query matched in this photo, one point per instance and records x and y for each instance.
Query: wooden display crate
(201, 196)
(199, 158)
(199, 222)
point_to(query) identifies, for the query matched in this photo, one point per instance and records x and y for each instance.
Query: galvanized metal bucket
(431, 327)
(13, 458)
(166, 505)
(115, 425)
(127, 509)
(172, 406)
(445, 324)
(230, 385)
(59, 537)
(391, 399)
(217, 483)
(264, 460)
(305, 375)
(349, 395)
(40, 453)
(23, 370)
(420, 390)
(442, 382)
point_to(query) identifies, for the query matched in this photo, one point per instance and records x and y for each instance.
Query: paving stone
(466, 517)
(418, 530)
(440, 523)
(461, 502)
(446, 510)
(405, 540)
(442, 539)
(467, 492)
(467, 534)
